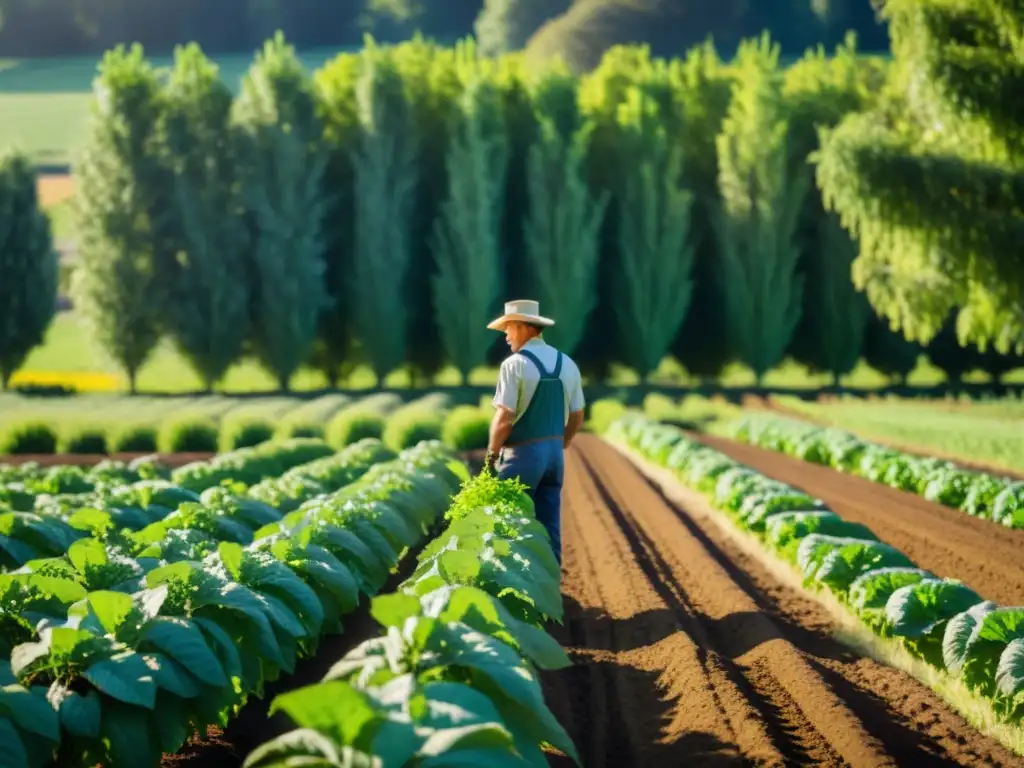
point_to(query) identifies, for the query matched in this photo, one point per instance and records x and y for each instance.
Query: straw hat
(521, 310)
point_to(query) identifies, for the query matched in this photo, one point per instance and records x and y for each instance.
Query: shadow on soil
(616, 714)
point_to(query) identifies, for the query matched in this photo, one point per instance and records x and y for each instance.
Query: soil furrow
(947, 542)
(687, 650)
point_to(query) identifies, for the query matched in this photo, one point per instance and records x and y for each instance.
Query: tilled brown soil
(987, 557)
(687, 651)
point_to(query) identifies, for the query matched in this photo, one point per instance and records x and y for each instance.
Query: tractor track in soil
(949, 543)
(688, 651)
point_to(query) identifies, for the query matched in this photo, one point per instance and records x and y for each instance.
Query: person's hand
(491, 461)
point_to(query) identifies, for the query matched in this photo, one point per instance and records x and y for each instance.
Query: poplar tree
(385, 194)
(931, 182)
(282, 166)
(202, 250)
(655, 256)
(762, 196)
(119, 185)
(564, 218)
(28, 265)
(468, 236)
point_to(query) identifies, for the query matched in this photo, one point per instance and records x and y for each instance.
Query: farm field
(984, 432)
(707, 656)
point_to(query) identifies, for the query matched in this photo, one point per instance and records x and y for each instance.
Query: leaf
(336, 579)
(231, 555)
(124, 677)
(86, 553)
(130, 734)
(873, 589)
(917, 609)
(12, 751)
(80, 715)
(171, 676)
(309, 748)
(183, 641)
(1010, 672)
(333, 707)
(31, 711)
(110, 609)
(393, 609)
(459, 566)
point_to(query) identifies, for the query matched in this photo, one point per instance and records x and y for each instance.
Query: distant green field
(987, 432)
(45, 102)
(68, 352)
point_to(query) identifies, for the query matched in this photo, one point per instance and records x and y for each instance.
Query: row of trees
(381, 210)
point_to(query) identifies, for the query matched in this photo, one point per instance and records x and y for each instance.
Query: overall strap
(558, 367)
(533, 359)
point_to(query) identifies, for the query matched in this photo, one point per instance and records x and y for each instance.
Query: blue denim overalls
(534, 453)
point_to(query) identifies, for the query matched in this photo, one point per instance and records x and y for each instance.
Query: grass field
(69, 355)
(45, 102)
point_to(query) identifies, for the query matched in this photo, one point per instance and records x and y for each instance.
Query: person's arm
(576, 403)
(501, 427)
(506, 398)
(572, 426)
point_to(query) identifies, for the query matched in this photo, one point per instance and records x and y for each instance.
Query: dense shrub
(466, 428)
(132, 438)
(28, 437)
(409, 426)
(243, 432)
(352, 425)
(82, 438)
(187, 433)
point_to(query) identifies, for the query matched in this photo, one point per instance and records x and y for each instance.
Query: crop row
(134, 639)
(940, 621)
(980, 494)
(453, 678)
(223, 424)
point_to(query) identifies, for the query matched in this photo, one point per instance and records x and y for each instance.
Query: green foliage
(280, 150)
(408, 426)
(132, 438)
(762, 195)
(203, 236)
(385, 189)
(186, 433)
(82, 438)
(467, 237)
(352, 425)
(28, 265)
(119, 183)
(563, 222)
(949, 123)
(27, 437)
(655, 254)
(243, 432)
(466, 428)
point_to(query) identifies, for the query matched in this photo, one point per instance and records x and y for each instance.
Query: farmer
(538, 410)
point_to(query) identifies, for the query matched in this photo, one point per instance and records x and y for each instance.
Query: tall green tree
(931, 181)
(563, 220)
(762, 196)
(335, 349)
(821, 91)
(655, 257)
(386, 176)
(201, 255)
(29, 272)
(468, 236)
(703, 88)
(119, 183)
(282, 165)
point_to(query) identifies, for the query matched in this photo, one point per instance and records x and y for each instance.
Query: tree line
(379, 210)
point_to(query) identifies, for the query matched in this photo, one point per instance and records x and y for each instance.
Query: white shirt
(518, 378)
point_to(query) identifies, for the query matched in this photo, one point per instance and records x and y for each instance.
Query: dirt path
(987, 557)
(689, 652)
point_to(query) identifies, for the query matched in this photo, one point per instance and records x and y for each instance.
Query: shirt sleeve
(507, 393)
(576, 396)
